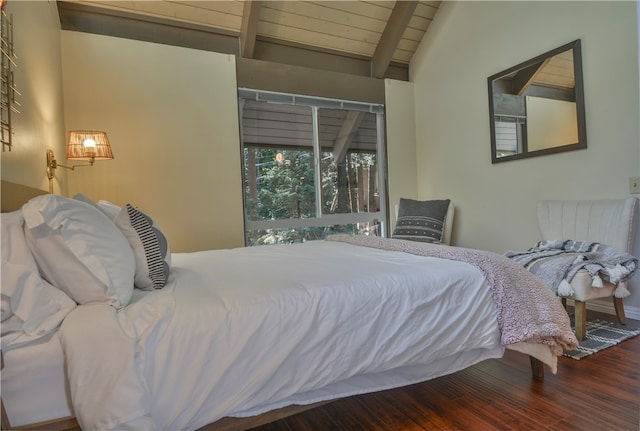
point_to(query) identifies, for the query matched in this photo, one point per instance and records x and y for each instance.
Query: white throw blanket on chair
(557, 262)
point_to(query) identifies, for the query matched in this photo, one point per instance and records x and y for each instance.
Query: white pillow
(112, 210)
(150, 247)
(82, 198)
(31, 308)
(79, 250)
(105, 207)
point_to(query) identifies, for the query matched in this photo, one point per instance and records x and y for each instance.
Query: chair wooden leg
(619, 306)
(581, 319)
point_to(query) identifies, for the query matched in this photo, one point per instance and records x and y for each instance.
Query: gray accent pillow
(150, 247)
(421, 220)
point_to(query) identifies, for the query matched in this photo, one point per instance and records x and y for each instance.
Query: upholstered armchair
(426, 221)
(609, 222)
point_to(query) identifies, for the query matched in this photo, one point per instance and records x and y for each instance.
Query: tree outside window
(309, 172)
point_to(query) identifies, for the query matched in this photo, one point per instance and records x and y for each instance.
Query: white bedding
(34, 375)
(239, 332)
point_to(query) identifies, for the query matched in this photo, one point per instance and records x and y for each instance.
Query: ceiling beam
(524, 78)
(346, 134)
(391, 36)
(111, 22)
(249, 27)
(286, 78)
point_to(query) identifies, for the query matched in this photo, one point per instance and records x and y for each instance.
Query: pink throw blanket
(527, 309)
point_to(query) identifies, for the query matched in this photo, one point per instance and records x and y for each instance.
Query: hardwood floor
(599, 393)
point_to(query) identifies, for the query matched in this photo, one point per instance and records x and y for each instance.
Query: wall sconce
(81, 145)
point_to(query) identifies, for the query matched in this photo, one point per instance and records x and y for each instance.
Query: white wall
(38, 76)
(172, 120)
(468, 42)
(401, 144)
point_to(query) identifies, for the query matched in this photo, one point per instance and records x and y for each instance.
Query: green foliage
(284, 189)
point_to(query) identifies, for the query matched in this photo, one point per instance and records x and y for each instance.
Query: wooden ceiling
(374, 38)
(557, 71)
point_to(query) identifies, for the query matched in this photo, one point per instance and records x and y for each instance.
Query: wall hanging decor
(8, 91)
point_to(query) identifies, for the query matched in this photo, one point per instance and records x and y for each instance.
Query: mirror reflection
(537, 107)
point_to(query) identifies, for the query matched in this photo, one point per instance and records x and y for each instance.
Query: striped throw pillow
(150, 247)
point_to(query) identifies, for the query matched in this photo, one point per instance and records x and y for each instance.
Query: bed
(142, 338)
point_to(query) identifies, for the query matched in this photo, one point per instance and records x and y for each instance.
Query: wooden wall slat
(321, 27)
(311, 38)
(375, 10)
(324, 11)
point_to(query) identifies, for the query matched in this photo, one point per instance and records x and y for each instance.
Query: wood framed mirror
(537, 107)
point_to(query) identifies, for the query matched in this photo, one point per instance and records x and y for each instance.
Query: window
(510, 135)
(312, 167)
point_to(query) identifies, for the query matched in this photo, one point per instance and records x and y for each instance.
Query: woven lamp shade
(88, 145)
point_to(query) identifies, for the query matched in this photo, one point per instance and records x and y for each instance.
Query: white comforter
(239, 332)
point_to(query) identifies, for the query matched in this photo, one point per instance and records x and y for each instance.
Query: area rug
(601, 335)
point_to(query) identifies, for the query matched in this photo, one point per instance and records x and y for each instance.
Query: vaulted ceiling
(368, 38)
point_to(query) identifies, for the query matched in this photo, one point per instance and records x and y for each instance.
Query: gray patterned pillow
(421, 220)
(150, 247)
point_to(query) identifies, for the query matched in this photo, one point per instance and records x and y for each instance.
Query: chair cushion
(583, 290)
